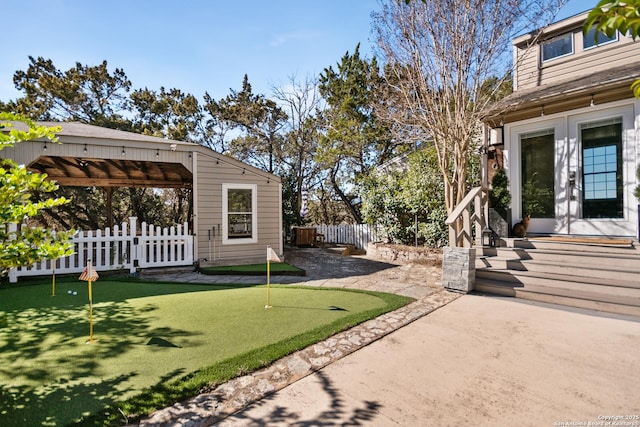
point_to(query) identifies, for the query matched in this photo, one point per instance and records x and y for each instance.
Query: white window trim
(225, 214)
(573, 48)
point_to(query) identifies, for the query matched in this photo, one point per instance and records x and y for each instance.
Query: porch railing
(125, 247)
(468, 216)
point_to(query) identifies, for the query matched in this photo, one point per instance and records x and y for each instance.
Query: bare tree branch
(438, 55)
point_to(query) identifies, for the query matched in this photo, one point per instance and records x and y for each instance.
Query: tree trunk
(352, 210)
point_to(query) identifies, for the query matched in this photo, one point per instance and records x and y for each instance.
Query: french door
(576, 174)
(538, 172)
(602, 158)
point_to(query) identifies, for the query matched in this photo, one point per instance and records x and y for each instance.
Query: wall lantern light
(488, 238)
(496, 136)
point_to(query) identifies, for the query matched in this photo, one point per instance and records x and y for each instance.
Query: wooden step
(519, 278)
(597, 270)
(525, 243)
(578, 274)
(625, 261)
(571, 298)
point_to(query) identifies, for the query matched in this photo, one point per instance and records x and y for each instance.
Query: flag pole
(268, 278)
(53, 268)
(91, 340)
(53, 279)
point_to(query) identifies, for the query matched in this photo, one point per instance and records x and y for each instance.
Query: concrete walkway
(473, 360)
(478, 361)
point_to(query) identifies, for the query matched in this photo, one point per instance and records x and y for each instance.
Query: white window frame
(225, 214)
(546, 42)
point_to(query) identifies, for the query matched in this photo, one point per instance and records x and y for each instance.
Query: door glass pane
(538, 174)
(602, 171)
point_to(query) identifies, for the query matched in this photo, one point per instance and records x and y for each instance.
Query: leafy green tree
(168, 114)
(500, 196)
(88, 211)
(97, 96)
(26, 245)
(412, 191)
(88, 94)
(259, 121)
(354, 139)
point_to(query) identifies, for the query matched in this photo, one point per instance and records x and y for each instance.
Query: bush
(393, 199)
(500, 196)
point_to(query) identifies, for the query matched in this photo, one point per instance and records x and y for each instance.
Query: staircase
(594, 275)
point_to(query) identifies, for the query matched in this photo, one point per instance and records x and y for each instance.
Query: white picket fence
(123, 248)
(349, 234)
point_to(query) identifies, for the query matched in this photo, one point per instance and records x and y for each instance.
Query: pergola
(110, 174)
(92, 156)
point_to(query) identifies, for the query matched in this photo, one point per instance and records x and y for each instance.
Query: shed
(237, 208)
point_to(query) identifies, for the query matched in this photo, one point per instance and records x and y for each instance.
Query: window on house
(239, 217)
(590, 39)
(557, 47)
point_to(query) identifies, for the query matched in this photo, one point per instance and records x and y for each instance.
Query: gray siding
(210, 177)
(531, 72)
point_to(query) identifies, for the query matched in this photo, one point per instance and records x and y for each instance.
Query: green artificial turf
(156, 343)
(276, 268)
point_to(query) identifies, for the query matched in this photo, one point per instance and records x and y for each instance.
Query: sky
(196, 46)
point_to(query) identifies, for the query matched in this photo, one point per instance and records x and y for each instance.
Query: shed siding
(211, 176)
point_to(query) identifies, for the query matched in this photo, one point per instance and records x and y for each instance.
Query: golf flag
(271, 255)
(86, 275)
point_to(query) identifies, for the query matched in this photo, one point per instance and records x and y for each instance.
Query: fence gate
(123, 248)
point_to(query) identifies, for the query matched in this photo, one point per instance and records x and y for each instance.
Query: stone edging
(228, 398)
(403, 254)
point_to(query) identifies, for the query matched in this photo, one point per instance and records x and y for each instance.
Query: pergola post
(109, 202)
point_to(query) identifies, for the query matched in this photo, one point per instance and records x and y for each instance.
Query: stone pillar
(459, 269)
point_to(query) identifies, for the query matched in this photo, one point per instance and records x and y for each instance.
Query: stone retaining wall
(401, 254)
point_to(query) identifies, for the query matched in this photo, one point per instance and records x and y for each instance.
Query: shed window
(557, 47)
(239, 213)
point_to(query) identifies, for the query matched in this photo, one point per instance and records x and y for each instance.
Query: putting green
(147, 334)
(254, 269)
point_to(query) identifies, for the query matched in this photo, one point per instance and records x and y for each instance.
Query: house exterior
(237, 209)
(569, 135)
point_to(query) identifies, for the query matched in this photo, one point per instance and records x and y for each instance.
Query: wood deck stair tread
(566, 277)
(593, 273)
(600, 241)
